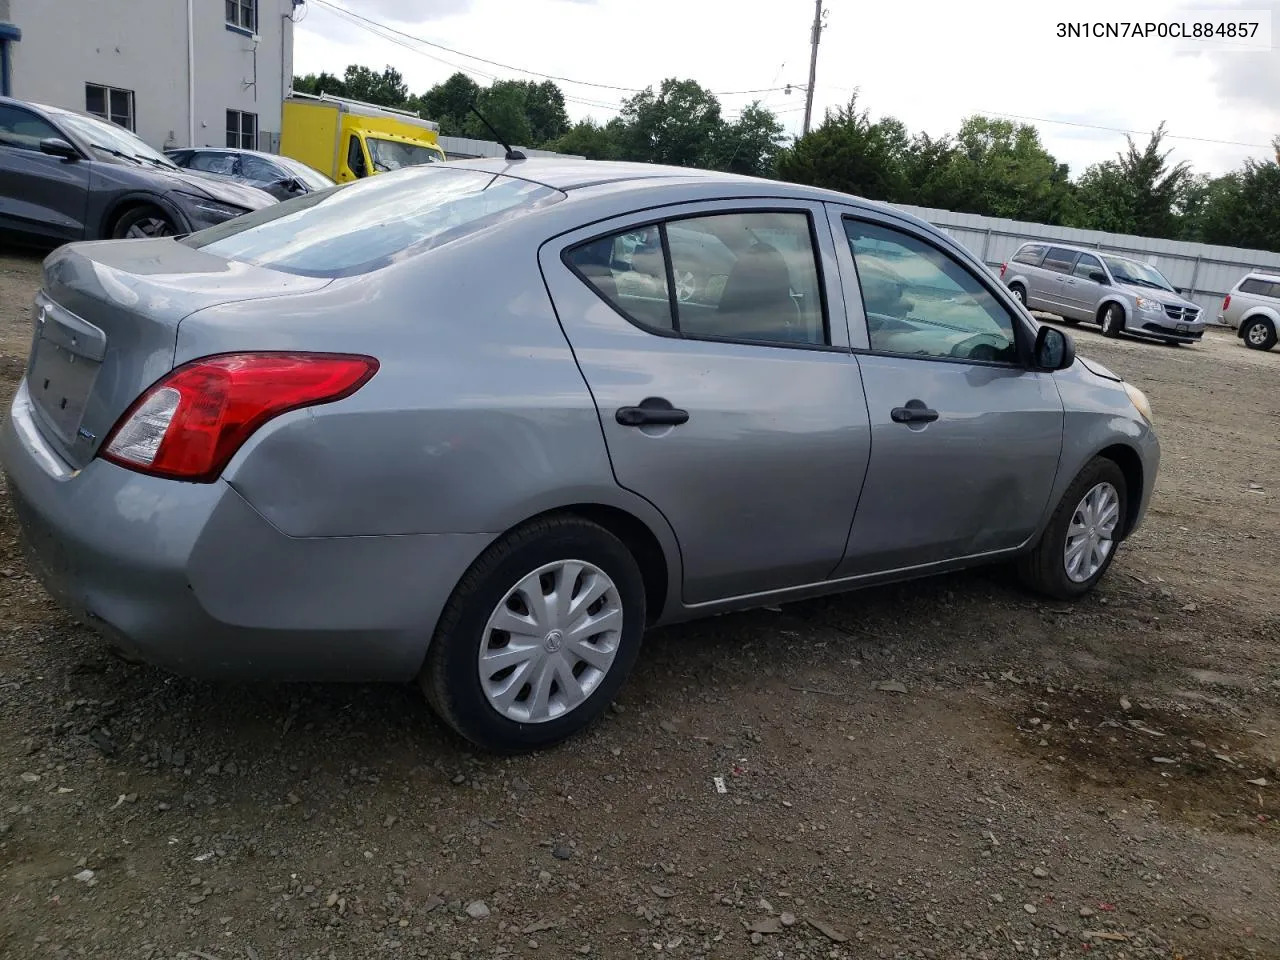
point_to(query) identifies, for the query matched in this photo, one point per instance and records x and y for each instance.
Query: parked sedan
(282, 177)
(1119, 294)
(428, 425)
(69, 176)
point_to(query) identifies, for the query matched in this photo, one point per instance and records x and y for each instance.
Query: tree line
(990, 166)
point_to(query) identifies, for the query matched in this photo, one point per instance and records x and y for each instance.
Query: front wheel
(1112, 321)
(538, 637)
(1258, 334)
(1080, 541)
(143, 222)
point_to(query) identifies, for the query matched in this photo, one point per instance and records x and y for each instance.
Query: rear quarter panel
(477, 419)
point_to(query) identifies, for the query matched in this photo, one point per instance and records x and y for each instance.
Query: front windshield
(394, 154)
(365, 225)
(312, 178)
(100, 134)
(1132, 271)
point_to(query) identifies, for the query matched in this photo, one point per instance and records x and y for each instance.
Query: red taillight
(1226, 301)
(190, 423)
(1003, 267)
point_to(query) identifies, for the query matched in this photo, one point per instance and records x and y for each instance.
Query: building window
(109, 103)
(242, 130)
(243, 14)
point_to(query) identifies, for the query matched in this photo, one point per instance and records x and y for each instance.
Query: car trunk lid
(106, 324)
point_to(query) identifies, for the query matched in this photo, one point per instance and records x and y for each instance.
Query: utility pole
(813, 62)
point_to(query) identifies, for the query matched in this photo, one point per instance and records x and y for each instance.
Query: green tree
(931, 171)
(449, 104)
(387, 88)
(504, 104)
(848, 152)
(1001, 169)
(749, 145)
(322, 82)
(1137, 192)
(589, 139)
(544, 106)
(675, 125)
(1243, 209)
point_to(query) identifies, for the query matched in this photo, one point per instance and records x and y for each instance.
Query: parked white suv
(1252, 310)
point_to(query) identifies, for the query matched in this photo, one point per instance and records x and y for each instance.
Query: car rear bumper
(190, 577)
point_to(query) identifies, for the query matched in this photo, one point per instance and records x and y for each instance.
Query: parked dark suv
(68, 176)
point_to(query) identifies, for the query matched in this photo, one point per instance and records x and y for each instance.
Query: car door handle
(652, 412)
(919, 414)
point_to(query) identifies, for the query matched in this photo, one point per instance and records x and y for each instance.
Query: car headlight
(1149, 305)
(1139, 401)
(209, 211)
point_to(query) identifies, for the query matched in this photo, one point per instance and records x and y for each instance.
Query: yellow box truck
(350, 139)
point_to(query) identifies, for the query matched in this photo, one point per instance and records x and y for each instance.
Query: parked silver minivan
(1119, 294)
(1252, 310)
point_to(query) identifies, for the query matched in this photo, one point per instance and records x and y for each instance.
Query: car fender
(1110, 298)
(135, 198)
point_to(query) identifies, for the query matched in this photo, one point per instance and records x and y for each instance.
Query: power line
(1094, 126)
(506, 66)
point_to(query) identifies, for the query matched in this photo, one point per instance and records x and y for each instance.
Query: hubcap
(1017, 295)
(1091, 535)
(149, 227)
(551, 641)
(1257, 333)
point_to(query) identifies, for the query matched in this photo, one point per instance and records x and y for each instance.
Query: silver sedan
(482, 423)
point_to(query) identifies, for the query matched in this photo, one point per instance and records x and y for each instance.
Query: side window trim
(704, 209)
(1022, 333)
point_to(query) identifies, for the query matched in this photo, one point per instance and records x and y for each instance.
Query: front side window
(355, 157)
(262, 171)
(1031, 254)
(242, 130)
(1087, 266)
(749, 276)
(366, 225)
(243, 14)
(223, 164)
(921, 302)
(23, 129)
(1060, 260)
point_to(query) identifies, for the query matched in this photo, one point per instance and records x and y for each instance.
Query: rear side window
(365, 225)
(749, 276)
(1031, 254)
(1060, 260)
(1261, 288)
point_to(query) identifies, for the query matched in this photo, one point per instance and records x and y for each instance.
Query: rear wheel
(1258, 333)
(1019, 293)
(1112, 321)
(1080, 541)
(142, 222)
(538, 637)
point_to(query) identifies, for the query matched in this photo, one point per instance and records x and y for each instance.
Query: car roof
(571, 173)
(1259, 275)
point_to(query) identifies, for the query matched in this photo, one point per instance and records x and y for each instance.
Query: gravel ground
(943, 769)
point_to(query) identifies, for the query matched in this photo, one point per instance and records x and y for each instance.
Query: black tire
(1258, 333)
(450, 677)
(1112, 321)
(149, 221)
(1019, 293)
(1044, 568)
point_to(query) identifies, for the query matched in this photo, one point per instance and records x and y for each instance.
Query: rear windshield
(366, 225)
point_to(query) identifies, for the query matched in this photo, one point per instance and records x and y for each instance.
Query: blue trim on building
(9, 33)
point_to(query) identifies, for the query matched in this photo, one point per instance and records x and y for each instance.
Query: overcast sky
(928, 62)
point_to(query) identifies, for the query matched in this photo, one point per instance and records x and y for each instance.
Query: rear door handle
(920, 414)
(652, 412)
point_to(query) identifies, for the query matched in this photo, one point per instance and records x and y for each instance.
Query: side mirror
(57, 147)
(291, 184)
(1054, 350)
(1097, 276)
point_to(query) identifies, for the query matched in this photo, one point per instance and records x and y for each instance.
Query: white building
(176, 72)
